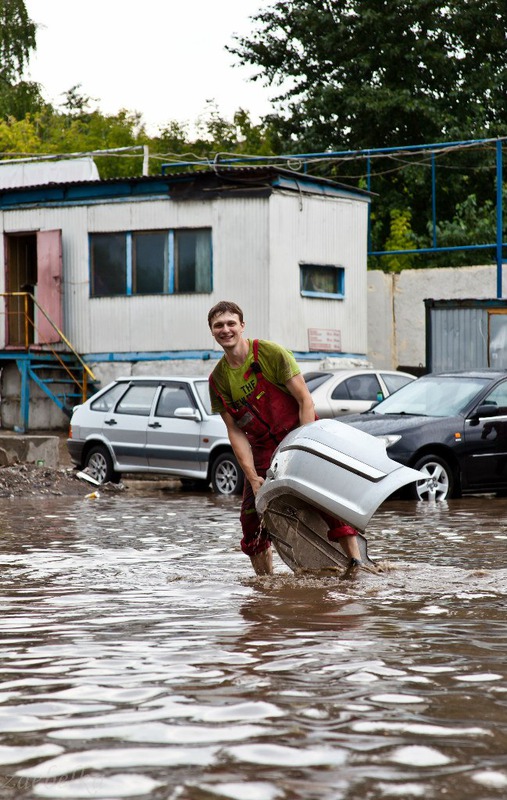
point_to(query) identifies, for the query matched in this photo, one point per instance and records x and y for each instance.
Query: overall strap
(254, 367)
(220, 397)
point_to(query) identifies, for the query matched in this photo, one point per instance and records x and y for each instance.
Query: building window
(322, 281)
(150, 262)
(109, 255)
(192, 261)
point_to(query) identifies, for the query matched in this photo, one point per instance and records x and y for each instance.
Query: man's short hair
(224, 307)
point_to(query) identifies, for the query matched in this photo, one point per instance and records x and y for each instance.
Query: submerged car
(154, 425)
(351, 391)
(452, 426)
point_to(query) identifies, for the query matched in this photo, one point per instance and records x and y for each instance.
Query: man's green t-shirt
(278, 365)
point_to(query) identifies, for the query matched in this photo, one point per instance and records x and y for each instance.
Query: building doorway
(33, 264)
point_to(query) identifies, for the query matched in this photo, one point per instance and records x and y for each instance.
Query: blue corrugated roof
(213, 181)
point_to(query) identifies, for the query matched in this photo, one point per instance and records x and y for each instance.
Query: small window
(322, 281)
(149, 263)
(171, 398)
(192, 261)
(394, 382)
(360, 387)
(109, 260)
(107, 401)
(498, 397)
(202, 388)
(137, 400)
(314, 379)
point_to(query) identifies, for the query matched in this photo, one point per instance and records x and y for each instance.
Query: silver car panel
(334, 468)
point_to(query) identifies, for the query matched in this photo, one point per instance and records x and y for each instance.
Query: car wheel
(226, 475)
(438, 485)
(99, 464)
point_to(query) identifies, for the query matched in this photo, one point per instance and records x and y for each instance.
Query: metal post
(22, 365)
(434, 198)
(499, 217)
(368, 185)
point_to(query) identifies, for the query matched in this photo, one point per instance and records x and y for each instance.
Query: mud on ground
(28, 479)
(22, 478)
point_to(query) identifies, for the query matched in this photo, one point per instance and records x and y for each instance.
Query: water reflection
(140, 657)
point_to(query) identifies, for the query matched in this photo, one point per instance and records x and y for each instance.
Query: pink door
(49, 294)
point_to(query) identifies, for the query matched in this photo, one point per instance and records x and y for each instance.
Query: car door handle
(110, 422)
(154, 425)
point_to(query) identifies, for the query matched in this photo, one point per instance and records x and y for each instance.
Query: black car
(451, 426)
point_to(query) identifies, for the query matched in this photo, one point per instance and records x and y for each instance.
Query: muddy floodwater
(140, 656)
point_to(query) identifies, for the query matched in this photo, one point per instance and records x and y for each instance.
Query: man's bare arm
(299, 390)
(242, 451)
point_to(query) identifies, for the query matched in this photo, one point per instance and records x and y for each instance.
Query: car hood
(379, 424)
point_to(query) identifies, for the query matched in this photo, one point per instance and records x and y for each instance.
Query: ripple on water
(143, 657)
(126, 785)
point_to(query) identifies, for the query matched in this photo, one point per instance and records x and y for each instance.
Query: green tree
(215, 135)
(370, 74)
(378, 73)
(17, 41)
(401, 237)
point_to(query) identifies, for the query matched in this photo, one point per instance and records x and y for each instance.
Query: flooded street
(142, 658)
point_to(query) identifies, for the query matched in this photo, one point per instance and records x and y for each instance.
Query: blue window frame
(322, 280)
(151, 262)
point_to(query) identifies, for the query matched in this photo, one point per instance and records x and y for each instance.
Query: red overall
(266, 416)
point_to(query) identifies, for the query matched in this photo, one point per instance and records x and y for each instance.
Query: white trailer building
(124, 271)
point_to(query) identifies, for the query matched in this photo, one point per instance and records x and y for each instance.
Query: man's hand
(256, 483)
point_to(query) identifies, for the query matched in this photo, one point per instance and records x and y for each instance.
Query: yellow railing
(29, 326)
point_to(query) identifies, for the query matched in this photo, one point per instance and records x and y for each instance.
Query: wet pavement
(142, 658)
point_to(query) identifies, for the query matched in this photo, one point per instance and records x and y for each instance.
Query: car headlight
(389, 439)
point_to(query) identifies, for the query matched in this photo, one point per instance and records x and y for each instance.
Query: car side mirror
(484, 410)
(185, 412)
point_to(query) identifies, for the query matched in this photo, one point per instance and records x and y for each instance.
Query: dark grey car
(450, 425)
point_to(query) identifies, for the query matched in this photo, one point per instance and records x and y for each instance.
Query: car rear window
(107, 401)
(314, 379)
(394, 382)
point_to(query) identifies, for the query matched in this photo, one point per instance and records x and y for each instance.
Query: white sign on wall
(325, 339)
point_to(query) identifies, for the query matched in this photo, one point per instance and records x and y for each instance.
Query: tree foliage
(372, 74)
(352, 75)
(378, 73)
(17, 41)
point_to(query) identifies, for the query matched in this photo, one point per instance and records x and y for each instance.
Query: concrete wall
(396, 311)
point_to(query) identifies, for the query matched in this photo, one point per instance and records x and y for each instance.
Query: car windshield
(202, 388)
(433, 396)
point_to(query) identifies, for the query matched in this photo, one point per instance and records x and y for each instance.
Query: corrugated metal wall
(258, 244)
(458, 338)
(319, 231)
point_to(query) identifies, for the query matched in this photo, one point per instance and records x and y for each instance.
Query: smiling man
(258, 389)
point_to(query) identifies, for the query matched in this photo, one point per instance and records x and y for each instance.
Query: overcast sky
(163, 58)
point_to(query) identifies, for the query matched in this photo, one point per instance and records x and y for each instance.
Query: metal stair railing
(46, 348)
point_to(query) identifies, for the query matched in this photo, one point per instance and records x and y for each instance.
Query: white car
(154, 425)
(352, 391)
